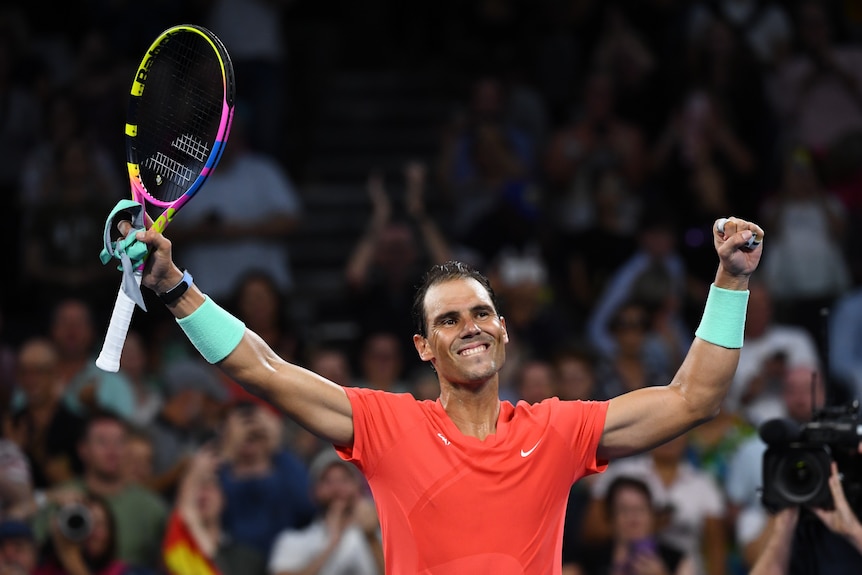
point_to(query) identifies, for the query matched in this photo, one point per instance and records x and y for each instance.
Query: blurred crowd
(590, 147)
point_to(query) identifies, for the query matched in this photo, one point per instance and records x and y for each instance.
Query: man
(344, 539)
(469, 483)
(139, 514)
(18, 552)
(43, 426)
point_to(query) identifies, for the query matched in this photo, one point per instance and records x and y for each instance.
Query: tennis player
(469, 483)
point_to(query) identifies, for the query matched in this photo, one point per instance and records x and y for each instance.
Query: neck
(104, 487)
(473, 410)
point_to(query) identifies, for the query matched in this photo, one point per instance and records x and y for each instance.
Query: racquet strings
(178, 115)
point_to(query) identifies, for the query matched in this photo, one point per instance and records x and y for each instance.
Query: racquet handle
(115, 338)
(753, 241)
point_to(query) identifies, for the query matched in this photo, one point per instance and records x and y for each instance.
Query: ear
(505, 333)
(422, 347)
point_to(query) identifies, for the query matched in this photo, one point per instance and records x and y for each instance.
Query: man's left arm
(641, 419)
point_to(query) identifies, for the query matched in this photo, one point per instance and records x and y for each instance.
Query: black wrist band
(178, 290)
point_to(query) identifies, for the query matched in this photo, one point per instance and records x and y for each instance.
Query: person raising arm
(445, 474)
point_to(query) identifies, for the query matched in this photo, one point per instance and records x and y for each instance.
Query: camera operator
(83, 541)
(794, 548)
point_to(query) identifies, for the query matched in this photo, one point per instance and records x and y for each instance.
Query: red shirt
(452, 504)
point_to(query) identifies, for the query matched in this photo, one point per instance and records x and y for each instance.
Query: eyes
(453, 319)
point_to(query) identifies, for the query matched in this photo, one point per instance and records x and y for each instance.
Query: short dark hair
(623, 482)
(440, 273)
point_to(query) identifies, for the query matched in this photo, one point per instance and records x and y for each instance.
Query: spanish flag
(181, 552)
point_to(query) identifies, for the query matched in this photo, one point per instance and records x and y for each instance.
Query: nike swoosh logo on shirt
(526, 453)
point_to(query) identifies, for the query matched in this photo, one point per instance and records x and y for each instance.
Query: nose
(471, 328)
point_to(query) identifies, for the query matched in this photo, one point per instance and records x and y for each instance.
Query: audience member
(138, 514)
(225, 233)
(804, 276)
(817, 91)
(844, 332)
(769, 350)
(534, 381)
(596, 138)
(17, 496)
(135, 364)
(633, 363)
(801, 392)
(265, 485)
(696, 522)
(653, 276)
(181, 426)
(42, 426)
(344, 537)
(381, 362)
(138, 459)
(391, 255)
(19, 554)
(65, 228)
(634, 545)
(195, 539)
(575, 373)
(95, 553)
(85, 386)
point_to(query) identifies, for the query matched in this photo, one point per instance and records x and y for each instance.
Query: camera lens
(800, 477)
(75, 522)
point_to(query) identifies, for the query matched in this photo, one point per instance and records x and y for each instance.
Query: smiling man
(468, 483)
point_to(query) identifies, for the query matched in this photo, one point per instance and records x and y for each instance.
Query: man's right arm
(314, 402)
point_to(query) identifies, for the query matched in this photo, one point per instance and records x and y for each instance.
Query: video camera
(797, 462)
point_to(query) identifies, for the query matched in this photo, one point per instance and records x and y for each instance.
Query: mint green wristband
(213, 331)
(723, 321)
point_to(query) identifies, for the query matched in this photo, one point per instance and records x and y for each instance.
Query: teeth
(473, 350)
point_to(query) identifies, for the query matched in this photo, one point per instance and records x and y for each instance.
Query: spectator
(265, 485)
(135, 363)
(19, 554)
(138, 514)
(845, 341)
(635, 545)
(74, 201)
(389, 258)
(42, 426)
(804, 276)
(223, 235)
(17, 498)
(745, 469)
(85, 386)
(181, 427)
(255, 34)
(96, 554)
(344, 538)
(575, 374)
(817, 92)
(138, 460)
(381, 362)
(534, 381)
(595, 139)
(764, 26)
(695, 503)
(653, 276)
(265, 309)
(195, 537)
(632, 364)
(770, 349)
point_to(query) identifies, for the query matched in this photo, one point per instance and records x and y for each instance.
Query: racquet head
(179, 116)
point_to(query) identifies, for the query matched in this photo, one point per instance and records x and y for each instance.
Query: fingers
(740, 232)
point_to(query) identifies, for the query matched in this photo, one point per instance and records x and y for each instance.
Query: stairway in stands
(366, 120)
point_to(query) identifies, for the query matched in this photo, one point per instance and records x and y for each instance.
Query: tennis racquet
(178, 120)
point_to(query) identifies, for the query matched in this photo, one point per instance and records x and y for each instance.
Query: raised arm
(640, 420)
(314, 402)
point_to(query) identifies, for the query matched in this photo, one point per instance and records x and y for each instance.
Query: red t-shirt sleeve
(584, 422)
(379, 420)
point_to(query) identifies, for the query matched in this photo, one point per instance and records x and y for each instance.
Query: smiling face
(466, 338)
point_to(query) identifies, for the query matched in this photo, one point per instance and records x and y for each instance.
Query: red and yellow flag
(181, 553)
